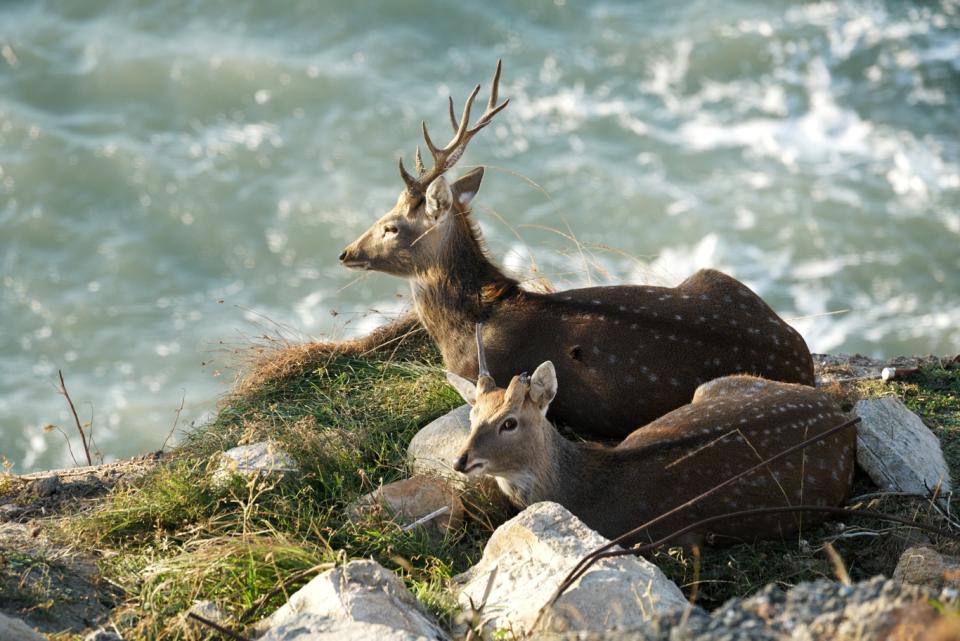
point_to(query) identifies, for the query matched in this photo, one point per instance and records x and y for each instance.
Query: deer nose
(461, 463)
(343, 255)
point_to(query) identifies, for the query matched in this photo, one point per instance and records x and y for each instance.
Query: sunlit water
(176, 177)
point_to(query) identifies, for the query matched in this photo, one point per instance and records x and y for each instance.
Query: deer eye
(390, 229)
(508, 425)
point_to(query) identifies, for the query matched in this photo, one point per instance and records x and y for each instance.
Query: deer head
(408, 236)
(508, 427)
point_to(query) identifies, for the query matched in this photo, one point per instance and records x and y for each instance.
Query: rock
(311, 627)
(410, 500)
(897, 450)
(435, 447)
(922, 565)
(262, 459)
(103, 635)
(533, 552)
(16, 630)
(47, 486)
(361, 600)
(209, 611)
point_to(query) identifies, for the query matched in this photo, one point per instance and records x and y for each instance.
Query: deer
(626, 353)
(731, 424)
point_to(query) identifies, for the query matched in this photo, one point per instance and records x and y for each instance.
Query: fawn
(732, 424)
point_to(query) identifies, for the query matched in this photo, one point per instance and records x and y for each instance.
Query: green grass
(173, 538)
(347, 422)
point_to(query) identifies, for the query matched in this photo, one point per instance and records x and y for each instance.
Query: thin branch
(216, 626)
(76, 418)
(176, 419)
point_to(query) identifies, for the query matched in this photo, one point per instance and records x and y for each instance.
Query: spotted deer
(627, 354)
(732, 424)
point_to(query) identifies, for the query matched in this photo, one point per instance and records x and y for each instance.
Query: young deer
(607, 343)
(731, 424)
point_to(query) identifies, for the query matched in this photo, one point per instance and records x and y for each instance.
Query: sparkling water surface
(177, 178)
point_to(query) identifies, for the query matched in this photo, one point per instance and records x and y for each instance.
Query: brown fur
(626, 354)
(732, 424)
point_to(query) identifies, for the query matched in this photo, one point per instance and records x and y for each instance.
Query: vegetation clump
(346, 412)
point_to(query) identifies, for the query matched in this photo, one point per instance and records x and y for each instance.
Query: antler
(482, 370)
(446, 157)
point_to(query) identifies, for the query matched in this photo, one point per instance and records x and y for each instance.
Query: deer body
(626, 354)
(732, 424)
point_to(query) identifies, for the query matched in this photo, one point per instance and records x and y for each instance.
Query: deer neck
(460, 287)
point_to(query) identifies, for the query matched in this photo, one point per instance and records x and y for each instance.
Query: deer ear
(543, 385)
(465, 388)
(439, 198)
(467, 186)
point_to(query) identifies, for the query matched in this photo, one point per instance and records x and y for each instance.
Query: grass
(346, 414)
(347, 420)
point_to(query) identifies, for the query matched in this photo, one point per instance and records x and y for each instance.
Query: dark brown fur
(624, 354)
(732, 424)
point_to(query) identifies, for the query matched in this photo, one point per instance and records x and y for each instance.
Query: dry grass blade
(76, 418)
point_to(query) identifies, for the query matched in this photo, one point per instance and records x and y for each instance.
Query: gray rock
(361, 600)
(435, 447)
(428, 502)
(47, 486)
(16, 630)
(312, 627)
(897, 450)
(262, 459)
(103, 635)
(531, 555)
(922, 565)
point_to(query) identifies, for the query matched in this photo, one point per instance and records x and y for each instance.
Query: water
(173, 175)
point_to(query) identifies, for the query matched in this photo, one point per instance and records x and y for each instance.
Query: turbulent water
(178, 178)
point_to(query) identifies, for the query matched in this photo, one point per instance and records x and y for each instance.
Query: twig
(176, 419)
(249, 612)
(76, 418)
(428, 517)
(216, 626)
(595, 555)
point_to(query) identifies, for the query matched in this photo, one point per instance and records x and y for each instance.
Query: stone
(361, 600)
(103, 635)
(263, 459)
(533, 552)
(16, 630)
(47, 486)
(922, 565)
(897, 451)
(435, 447)
(411, 501)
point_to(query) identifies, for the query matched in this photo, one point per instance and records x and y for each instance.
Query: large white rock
(435, 447)
(16, 630)
(534, 551)
(897, 450)
(262, 459)
(361, 600)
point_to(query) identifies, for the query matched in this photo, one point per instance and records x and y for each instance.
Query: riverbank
(135, 545)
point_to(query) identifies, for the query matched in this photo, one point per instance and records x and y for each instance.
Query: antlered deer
(627, 354)
(731, 425)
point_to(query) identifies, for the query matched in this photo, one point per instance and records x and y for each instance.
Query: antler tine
(453, 116)
(418, 159)
(413, 185)
(495, 86)
(481, 356)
